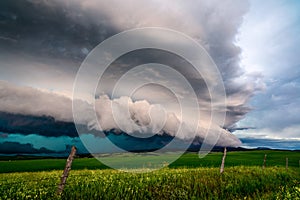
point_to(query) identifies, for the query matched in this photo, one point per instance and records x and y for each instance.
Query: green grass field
(188, 160)
(187, 178)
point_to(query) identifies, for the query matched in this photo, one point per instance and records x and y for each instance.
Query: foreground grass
(197, 183)
(188, 160)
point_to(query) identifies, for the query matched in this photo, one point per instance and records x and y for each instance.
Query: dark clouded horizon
(43, 43)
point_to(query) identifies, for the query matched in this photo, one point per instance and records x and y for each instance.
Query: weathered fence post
(223, 161)
(265, 159)
(286, 162)
(65, 174)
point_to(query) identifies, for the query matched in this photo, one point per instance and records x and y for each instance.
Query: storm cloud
(17, 116)
(42, 44)
(17, 148)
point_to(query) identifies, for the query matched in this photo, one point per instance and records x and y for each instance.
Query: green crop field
(188, 160)
(187, 178)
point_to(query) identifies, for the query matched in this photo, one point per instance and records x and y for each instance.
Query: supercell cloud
(42, 44)
(49, 114)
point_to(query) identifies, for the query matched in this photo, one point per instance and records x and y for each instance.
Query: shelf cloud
(43, 43)
(49, 114)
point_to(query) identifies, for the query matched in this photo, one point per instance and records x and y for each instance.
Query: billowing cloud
(29, 101)
(53, 117)
(42, 44)
(81, 25)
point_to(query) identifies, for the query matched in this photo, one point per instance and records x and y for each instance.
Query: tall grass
(197, 183)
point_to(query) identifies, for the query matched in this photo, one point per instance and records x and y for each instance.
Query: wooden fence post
(286, 162)
(65, 174)
(223, 161)
(265, 159)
